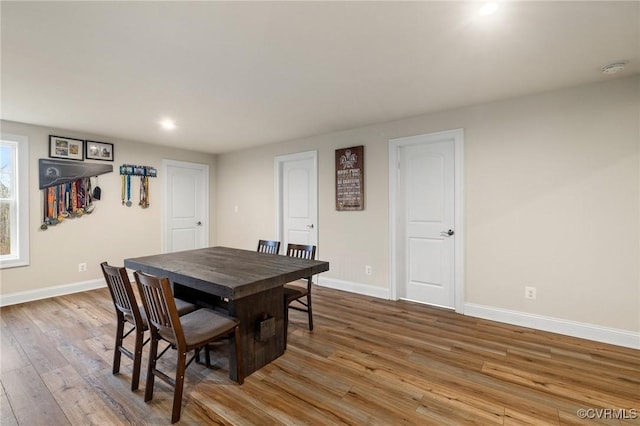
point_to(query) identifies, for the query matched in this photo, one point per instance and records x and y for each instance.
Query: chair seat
(183, 309)
(293, 292)
(202, 326)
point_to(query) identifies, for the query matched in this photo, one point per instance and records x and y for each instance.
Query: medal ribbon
(128, 190)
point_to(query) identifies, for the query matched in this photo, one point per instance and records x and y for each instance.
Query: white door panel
(425, 171)
(298, 237)
(299, 201)
(186, 209)
(425, 206)
(183, 239)
(183, 189)
(425, 258)
(297, 178)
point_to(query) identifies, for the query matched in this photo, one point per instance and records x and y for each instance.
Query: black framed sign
(99, 151)
(67, 148)
(350, 178)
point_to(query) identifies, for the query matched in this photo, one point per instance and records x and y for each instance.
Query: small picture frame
(67, 148)
(102, 151)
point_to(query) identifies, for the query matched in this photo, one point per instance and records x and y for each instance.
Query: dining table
(244, 284)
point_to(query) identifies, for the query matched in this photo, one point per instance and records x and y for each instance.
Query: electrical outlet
(368, 270)
(530, 292)
(82, 267)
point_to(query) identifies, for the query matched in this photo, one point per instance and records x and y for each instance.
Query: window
(14, 201)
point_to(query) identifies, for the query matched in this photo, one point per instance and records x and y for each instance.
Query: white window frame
(19, 255)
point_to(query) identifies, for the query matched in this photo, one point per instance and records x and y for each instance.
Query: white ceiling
(240, 74)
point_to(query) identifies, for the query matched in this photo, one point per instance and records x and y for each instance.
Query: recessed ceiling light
(488, 9)
(168, 124)
(613, 68)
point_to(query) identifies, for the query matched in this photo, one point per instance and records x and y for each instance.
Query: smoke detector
(613, 68)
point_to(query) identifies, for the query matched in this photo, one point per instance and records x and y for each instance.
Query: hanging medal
(45, 220)
(89, 206)
(142, 196)
(67, 200)
(61, 204)
(79, 199)
(74, 199)
(59, 190)
(144, 192)
(122, 178)
(52, 204)
(129, 191)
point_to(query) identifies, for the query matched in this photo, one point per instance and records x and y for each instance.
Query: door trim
(278, 163)
(165, 196)
(394, 145)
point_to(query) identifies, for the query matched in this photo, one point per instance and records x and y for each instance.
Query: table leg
(250, 311)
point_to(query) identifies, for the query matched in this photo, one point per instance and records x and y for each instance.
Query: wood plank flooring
(368, 362)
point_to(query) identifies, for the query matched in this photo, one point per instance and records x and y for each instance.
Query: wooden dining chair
(268, 246)
(191, 332)
(128, 312)
(298, 297)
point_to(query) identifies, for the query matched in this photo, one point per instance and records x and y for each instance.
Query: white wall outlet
(530, 292)
(82, 267)
(368, 270)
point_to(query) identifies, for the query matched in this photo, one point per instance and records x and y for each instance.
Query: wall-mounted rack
(131, 170)
(66, 188)
(145, 172)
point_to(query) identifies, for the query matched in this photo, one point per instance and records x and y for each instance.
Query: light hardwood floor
(368, 362)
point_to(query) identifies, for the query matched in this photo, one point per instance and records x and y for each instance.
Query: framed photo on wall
(99, 151)
(67, 148)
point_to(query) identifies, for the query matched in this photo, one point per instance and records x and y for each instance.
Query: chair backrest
(301, 251)
(267, 246)
(121, 291)
(160, 307)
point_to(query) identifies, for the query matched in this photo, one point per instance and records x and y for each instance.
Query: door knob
(310, 226)
(448, 233)
(199, 223)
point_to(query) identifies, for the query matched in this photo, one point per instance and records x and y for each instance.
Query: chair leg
(153, 352)
(309, 311)
(207, 356)
(177, 393)
(239, 366)
(117, 355)
(137, 359)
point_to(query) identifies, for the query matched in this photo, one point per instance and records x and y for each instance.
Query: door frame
(279, 162)
(394, 169)
(165, 195)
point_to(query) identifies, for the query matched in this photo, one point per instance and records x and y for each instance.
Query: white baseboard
(45, 293)
(353, 287)
(593, 332)
(597, 333)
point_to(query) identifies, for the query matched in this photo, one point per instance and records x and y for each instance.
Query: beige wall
(552, 200)
(111, 233)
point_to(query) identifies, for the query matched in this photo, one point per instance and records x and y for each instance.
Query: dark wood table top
(227, 272)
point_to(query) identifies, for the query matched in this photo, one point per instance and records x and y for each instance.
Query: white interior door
(298, 199)
(186, 208)
(425, 219)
